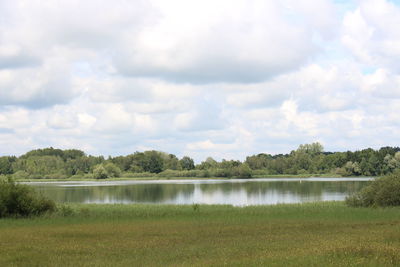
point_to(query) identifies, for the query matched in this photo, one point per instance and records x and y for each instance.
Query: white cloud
(382, 83)
(86, 120)
(371, 33)
(62, 121)
(206, 42)
(203, 78)
(40, 86)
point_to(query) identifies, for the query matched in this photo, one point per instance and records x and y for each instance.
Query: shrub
(57, 175)
(382, 192)
(302, 171)
(77, 176)
(99, 172)
(103, 171)
(242, 171)
(112, 170)
(261, 172)
(341, 171)
(197, 173)
(88, 176)
(137, 174)
(170, 173)
(18, 200)
(21, 175)
(205, 174)
(219, 172)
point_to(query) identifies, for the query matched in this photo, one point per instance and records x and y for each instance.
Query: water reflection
(234, 192)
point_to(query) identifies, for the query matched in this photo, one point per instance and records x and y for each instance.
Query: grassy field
(318, 234)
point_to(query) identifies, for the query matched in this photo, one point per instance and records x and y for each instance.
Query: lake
(237, 192)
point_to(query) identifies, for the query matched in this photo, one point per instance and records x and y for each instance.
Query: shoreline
(157, 178)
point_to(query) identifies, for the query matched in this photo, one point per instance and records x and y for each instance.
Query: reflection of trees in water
(168, 192)
(129, 193)
(285, 187)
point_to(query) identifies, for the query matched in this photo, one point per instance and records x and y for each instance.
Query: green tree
(208, 164)
(39, 166)
(112, 170)
(152, 161)
(260, 161)
(392, 162)
(352, 168)
(6, 165)
(187, 163)
(99, 172)
(242, 171)
(311, 149)
(364, 167)
(171, 162)
(374, 165)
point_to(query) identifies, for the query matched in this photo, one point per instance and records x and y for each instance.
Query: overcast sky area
(226, 78)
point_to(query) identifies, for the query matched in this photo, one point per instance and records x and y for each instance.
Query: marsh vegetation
(314, 234)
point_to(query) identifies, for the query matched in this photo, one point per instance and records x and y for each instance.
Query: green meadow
(314, 234)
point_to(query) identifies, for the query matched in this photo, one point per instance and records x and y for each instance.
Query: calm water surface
(238, 192)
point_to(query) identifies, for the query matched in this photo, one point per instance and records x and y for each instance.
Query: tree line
(306, 160)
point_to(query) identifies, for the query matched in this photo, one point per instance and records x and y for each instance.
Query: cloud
(36, 87)
(249, 41)
(382, 83)
(205, 117)
(12, 56)
(201, 78)
(371, 33)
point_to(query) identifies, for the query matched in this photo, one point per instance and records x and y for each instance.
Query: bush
(342, 172)
(219, 172)
(78, 176)
(242, 171)
(20, 175)
(260, 172)
(137, 174)
(18, 200)
(112, 170)
(204, 174)
(171, 173)
(56, 175)
(99, 172)
(103, 171)
(382, 192)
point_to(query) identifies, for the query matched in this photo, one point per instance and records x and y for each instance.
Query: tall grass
(314, 234)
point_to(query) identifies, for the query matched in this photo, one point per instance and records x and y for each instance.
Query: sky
(226, 78)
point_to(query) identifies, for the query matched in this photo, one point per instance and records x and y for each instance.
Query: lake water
(237, 192)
